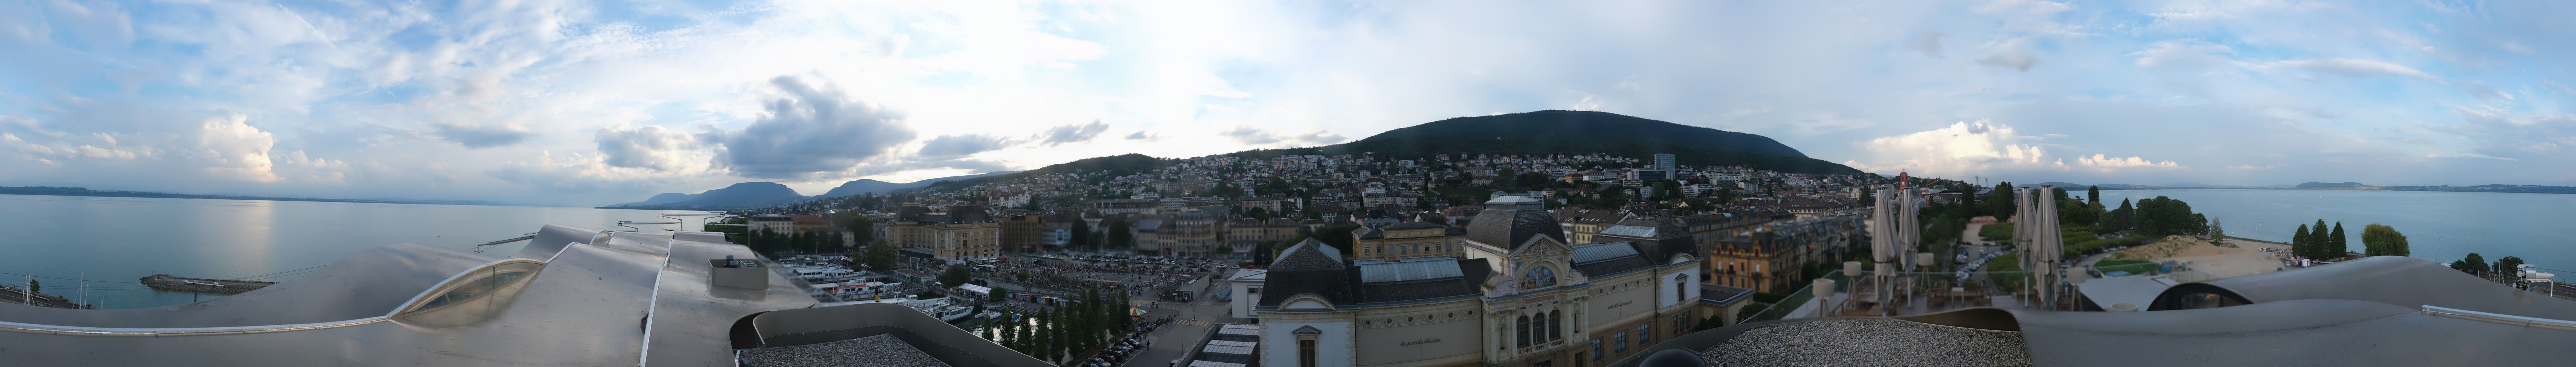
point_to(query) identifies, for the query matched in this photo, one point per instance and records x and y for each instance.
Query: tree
(2507, 265)
(2472, 264)
(2317, 241)
(955, 275)
(35, 286)
(1000, 294)
(2217, 235)
(880, 256)
(1081, 235)
(2299, 243)
(2093, 194)
(2378, 239)
(2335, 241)
(1120, 236)
(2000, 204)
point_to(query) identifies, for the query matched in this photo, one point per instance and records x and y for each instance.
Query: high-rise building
(1664, 161)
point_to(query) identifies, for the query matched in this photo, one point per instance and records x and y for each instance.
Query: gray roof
(586, 304)
(1414, 225)
(1625, 230)
(1510, 221)
(1407, 270)
(1599, 252)
(2308, 332)
(2396, 280)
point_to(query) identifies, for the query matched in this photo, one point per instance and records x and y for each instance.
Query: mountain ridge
(1531, 133)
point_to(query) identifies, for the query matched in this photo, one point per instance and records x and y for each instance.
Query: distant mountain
(2062, 185)
(741, 195)
(81, 191)
(865, 186)
(2527, 189)
(1583, 132)
(1116, 165)
(2330, 185)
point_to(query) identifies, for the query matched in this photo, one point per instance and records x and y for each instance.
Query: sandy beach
(2248, 257)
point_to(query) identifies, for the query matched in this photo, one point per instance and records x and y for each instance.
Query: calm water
(114, 241)
(2439, 226)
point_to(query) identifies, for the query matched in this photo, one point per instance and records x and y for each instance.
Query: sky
(599, 102)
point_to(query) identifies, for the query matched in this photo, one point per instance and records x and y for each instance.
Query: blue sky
(585, 102)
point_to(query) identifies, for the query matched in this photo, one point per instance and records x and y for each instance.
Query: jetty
(169, 282)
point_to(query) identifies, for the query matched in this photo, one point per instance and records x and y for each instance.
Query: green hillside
(1579, 132)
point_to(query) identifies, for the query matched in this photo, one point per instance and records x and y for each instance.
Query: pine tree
(2093, 194)
(2335, 241)
(2299, 243)
(2217, 235)
(2317, 238)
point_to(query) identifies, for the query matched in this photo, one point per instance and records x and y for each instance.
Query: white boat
(944, 310)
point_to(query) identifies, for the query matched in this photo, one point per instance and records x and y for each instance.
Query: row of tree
(1059, 333)
(2477, 265)
(774, 242)
(2320, 242)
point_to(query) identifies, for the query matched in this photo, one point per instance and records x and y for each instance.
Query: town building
(963, 232)
(1520, 296)
(1407, 239)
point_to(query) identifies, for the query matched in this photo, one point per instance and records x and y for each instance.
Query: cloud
(809, 129)
(2108, 164)
(483, 136)
(2350, 67)
(1983, 148)
(2174, 55)
(235, 150)
(953, 146)
(1251, 136)
(1927, 42)
(1072, 133)
(1141, 135)
(2011, 54)
(649, 147)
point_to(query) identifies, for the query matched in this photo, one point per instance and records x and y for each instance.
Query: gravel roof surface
(880, 350)
(1869, 342)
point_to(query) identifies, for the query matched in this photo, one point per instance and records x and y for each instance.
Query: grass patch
(2005, 271)
(1996, 232)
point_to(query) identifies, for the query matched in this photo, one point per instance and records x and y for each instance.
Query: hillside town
(1760, 227)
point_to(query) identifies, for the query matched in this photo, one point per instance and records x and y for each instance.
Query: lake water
(2439, 226)
(115, 241)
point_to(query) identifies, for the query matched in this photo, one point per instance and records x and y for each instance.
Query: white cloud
(2349, 67)
(1983, 148)
(651, 147)
(236, 151)
(1258, 137)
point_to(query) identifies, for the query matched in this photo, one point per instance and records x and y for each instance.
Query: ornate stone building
(1408, 239)
(963, 232)
(1517, 295)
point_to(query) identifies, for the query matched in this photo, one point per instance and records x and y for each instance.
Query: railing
(1796, 298)
(2500, 318)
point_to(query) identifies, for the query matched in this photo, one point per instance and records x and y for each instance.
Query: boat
(943, 309)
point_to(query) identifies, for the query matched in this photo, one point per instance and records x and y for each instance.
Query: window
(1619, 342)
(1578, 359)
(1645, 333)
(1596, 349)
(1555, 325)
(1524, 327)
(483, 281)
(1306, 353)
(1681, 288)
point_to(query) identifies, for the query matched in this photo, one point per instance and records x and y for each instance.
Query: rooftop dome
(1510, 220)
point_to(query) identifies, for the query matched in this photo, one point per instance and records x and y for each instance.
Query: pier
(169, 282)
(22, 296)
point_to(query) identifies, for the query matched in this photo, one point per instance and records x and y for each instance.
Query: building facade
(963, 232)
(1518, 295)
(1407, 239)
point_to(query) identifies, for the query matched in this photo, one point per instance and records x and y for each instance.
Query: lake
(113, 241)
(2439, 226)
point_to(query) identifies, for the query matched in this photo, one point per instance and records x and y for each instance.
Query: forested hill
(1581, 132)
(1530, 133)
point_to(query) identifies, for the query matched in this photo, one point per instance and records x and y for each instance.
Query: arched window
(1524, 331)
(1555, 325)
(1538, 277)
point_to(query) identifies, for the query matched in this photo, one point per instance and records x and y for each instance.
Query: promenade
(20, 296)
